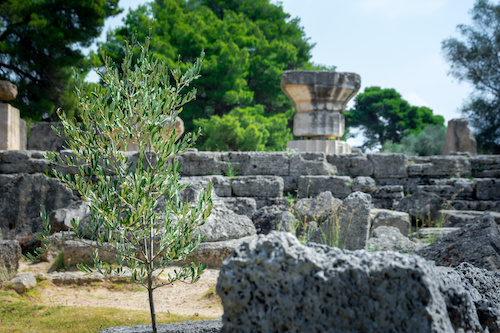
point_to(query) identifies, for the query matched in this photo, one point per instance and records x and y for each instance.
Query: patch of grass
(22, 314)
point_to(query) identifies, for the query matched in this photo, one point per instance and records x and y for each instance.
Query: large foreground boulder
(477, 243)
(275, 284)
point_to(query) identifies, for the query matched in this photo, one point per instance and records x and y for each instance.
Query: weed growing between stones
(136, 105)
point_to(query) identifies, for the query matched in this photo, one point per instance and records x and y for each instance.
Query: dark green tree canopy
(39, 41)
(475, 58)
(384, 116)
(248, 45)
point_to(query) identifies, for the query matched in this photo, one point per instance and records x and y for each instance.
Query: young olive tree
(137, 104)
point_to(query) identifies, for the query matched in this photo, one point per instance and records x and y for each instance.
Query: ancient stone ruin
(319, 98)
(459, 138)
(12, 127)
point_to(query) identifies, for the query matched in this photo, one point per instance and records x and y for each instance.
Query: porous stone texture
(223, 224)
(390, 218)
(422, 206)
(257, 186)
(311, 186)
(355, 221)
(241, 206)
(270, 218)
(385, 196)
(43, 137)
(213, 254)
(451, 189)
(485, 166)
(439, 166)
(364, 184)
(19, 161)
(20, 200)
(202, 326)
(201, 163)
(477, 243)
(352, 164)
(310, 164)
(459, 137)
(10, 253)
(459, 218)
(319, 209)
(8, 91)
(23, 281)
(484, 287)
(390, 239)
(389, 165)
(256, 163)
(275, 284)
(488, 189)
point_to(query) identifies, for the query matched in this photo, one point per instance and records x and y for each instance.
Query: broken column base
(319, 146)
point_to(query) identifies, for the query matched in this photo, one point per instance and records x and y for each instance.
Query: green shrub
(427, 143)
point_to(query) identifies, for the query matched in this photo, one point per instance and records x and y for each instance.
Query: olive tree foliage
(136, 104)
(475, 58)
(429, 142)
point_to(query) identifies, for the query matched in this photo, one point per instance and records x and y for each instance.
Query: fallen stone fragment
(477, 243)
(23, 281)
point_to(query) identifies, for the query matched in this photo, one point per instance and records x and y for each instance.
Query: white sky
(390, 43)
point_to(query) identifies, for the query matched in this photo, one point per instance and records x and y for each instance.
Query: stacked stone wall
(468, 182)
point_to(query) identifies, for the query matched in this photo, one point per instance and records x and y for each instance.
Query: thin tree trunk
(151, 303)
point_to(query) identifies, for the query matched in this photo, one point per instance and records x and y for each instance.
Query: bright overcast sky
(390, 43)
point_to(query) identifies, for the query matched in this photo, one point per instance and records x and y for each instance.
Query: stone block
(321, 124)
(459, 138)
(310, 164)
(459, 218)
(257, 186)
(364, 184)
(385, 196)
(290, 184)
(477, 243)
(488, 189)
(387, 238)
(390, 218)
(311, 186)
(43, 137)
(486, 205)
(439, 166)
(201, 163)
(256, 163)
(8, 91)
(389, 165)
(352, 164)
(10, 254)
(485, 166)
(10, 128)
(273, 218)
(319, 146)
(275, 284)
(355, 221)
(451, 188)
(213, 254)
(240, 205)
(223, 224)
(423, 207)
(23, 281)
(322, 208)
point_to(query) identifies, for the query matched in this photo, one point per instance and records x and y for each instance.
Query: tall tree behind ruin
(39, 46)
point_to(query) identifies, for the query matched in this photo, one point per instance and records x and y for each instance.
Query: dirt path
(179, 298)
